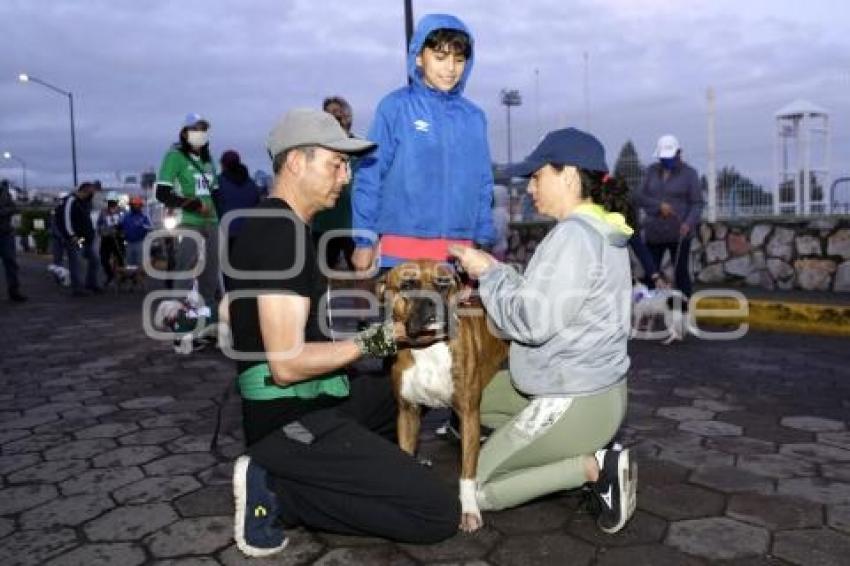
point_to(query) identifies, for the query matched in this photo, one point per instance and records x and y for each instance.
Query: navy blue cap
(563, 147)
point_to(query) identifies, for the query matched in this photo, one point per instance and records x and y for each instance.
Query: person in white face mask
(186, 181)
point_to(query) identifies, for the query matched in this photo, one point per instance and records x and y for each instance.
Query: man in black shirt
(321, 450)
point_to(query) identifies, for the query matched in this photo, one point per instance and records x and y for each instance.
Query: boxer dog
(446, 359)
(182, 317)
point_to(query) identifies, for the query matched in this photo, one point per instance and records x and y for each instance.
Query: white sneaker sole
(240, 495)
(627, 474)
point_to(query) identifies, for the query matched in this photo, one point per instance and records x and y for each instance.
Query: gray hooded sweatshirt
(568, 315)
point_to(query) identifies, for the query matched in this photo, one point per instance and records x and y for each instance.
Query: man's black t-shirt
(273, 246)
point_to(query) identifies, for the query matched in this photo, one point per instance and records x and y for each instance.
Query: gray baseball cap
(306, 126)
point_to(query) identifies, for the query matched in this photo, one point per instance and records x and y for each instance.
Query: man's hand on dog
(474, 262)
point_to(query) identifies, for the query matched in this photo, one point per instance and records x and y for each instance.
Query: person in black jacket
(8, 208)
(76, 235)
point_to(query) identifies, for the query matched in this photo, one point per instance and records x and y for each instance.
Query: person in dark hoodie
(236, 191)
(430, 182)
(8, 208)
(671, 196)
(135, 225)
(567, 317)
(76, 235)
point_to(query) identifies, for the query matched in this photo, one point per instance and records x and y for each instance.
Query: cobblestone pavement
(743, 448)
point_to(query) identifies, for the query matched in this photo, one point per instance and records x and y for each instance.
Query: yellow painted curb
(802, 318)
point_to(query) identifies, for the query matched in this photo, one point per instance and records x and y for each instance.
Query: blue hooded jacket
(431, 175)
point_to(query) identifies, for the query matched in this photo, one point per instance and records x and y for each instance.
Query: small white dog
(60, 274)
(181, 318)
(663, 302)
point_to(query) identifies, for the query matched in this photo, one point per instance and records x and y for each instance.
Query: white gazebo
(802, 159)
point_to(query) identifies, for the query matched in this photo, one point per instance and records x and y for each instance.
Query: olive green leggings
(539, 444)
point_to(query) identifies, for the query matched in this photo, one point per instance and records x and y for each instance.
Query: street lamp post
(25, 78)
(7, 155)
(510, 98)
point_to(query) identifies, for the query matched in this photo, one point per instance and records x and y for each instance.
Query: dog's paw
(471, 522)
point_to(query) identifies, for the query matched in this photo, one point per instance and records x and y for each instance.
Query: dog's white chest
(429, 380)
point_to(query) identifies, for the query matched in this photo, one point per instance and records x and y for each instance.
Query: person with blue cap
(567, 317)
(186, 182)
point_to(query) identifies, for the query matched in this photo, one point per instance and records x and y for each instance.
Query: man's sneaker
(255, 527)
(616, 489)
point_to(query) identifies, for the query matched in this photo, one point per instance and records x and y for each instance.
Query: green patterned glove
(377, 340)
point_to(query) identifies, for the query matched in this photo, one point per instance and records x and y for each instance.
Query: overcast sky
(137, 67)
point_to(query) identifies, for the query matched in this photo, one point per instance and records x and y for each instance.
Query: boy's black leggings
(352, 480)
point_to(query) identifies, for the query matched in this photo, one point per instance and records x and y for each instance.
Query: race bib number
(203, 184)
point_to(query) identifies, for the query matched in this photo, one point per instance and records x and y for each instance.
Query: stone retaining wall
(770, 253)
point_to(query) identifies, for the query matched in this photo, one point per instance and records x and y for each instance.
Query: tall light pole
(510, 98)
(7, 155)
(408, 28)
(25, 78)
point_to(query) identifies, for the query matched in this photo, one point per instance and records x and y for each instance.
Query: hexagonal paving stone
(383, 554)
(812, 424)
(180, 464)
(6, 527)
(11, 463)
(147, 402)
(127, 456)
(66, 511)
(303, 548)
(207, 501)
(16, 499)
(150, 490)
(838, 517)
(80, 449)
(699, 392)
(101, 480)
(33, 548)
(646, 555)
(686, 413)
(837, 439)
(776, 466)
(131, 522)
(533, 517)
(102, 555)
(151, 436)
(49, 472)
(10, 435)
(34, 443)
(642, 528)
(170, 420)
(207, 561)
(542, 550)
(90, 411)
(718, 538)
(836, 471)
(697, 457)
(816, 452)
(679, 501)
(818, 490)
(29, 421)
(775, 512)
(674, 440)
(80, 395)
(202, 535)
(106, 430)
(812, 546)
(715, 406)
(460, 547)
(741, 445)
(197, 443)
(730, 479)
(711, 428)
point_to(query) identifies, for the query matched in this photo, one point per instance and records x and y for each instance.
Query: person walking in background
(186, 182)
(236, 191)
(672, 199)
(430, 182)
(76, 236)
(111, 241)
(8, 208)
(338, 217)
(135, 225)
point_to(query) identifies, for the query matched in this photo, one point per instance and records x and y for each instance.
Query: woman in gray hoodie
(567, 317)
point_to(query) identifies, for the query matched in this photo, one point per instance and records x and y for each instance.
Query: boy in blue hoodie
(429, 184)
(135, 225)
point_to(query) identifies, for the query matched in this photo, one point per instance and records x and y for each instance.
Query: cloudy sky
(136, 67)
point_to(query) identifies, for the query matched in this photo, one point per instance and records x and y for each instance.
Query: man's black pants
(352, 480)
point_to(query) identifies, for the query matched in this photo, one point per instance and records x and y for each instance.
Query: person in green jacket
(186, 181)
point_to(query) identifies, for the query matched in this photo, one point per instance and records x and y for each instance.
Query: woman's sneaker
(616, 489)
(256, 527)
